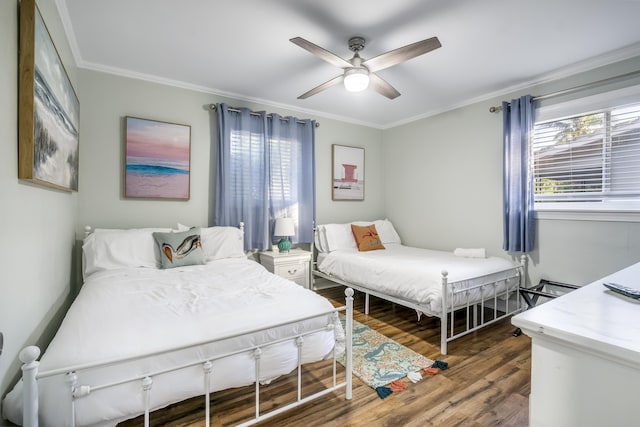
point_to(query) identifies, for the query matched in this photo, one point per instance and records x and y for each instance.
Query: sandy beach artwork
(49, 110)
(157, 159)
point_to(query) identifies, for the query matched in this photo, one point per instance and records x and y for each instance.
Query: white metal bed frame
(488, 289)
(30, 374)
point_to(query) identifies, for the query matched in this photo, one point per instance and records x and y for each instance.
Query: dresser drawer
(293, 272)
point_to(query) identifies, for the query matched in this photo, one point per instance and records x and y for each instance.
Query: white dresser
(293, 265)
(585, 356)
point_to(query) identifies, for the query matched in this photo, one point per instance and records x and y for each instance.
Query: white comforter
(412, 274)
(129, 312)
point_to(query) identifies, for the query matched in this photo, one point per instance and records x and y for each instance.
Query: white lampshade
(284, 227)
(356, 79)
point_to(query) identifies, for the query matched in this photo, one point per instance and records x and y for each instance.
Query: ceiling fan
(358, 73)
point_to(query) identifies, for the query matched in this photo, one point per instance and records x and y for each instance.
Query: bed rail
(77, 390)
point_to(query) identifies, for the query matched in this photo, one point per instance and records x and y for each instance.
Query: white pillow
(321, 239)
(387, 232)
(109, 249)
(340, 236)
(220, 242)
(316, 239)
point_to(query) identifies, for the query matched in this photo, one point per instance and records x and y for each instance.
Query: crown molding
(608, 58)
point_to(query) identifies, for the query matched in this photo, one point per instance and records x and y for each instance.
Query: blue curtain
(265, 170)
(292, 174)
(242, 174)
(519, 222)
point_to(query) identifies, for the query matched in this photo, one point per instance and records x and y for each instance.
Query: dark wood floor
(487, 383)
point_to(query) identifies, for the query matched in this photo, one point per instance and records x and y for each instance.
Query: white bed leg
(28, 357)
(147, 382)
(257, 353)
(444, 316)
(71, 378)
(366, 304)
(299, 342)
(207, 367)
(475, 315)
(349, 342)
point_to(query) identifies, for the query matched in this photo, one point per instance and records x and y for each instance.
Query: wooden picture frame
(48, 111)
(157, 159)
(347, 173)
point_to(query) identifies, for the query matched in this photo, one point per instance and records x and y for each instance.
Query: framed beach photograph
(157, 159)
(48, 111)
(347, 174)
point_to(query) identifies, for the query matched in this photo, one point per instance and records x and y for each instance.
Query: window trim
(580, 212)
(624, 211)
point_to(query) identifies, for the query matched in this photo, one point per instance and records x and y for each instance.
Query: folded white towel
(471, 252)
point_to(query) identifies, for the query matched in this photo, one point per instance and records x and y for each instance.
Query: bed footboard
(30, 374)
(492, 295)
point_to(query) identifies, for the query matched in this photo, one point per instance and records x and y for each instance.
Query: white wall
(372, 207)
(443, 190)
(37, 241)
(107, 99)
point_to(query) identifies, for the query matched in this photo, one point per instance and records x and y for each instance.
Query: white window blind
(282, 183)
(247, 164)
(591, 157)
(248, 168)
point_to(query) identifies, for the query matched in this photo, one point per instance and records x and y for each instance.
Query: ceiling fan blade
(382, 87)
(331, 58)
(326, 85)
(401, 54)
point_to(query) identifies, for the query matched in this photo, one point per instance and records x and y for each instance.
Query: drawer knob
(292, 272)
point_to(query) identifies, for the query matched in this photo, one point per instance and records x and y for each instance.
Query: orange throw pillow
(366, 237)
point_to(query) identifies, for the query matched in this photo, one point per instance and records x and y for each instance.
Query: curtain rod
(213, 107)
(575, 88)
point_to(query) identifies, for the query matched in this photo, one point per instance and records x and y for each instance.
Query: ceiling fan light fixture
(356, 79)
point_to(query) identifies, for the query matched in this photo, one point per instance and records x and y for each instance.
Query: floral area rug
(379, 361)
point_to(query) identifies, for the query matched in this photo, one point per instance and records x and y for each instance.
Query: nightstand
(293, 265)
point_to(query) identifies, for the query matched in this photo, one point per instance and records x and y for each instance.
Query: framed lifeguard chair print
(347, 175)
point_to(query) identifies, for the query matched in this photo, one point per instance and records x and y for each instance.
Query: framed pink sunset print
(158, 159)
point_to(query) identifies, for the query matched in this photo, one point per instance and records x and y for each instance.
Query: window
(249, 170)
(589, 160)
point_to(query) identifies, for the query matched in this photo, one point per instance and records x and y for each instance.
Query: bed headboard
(106, 249)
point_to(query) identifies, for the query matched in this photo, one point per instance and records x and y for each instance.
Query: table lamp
(284, 228)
